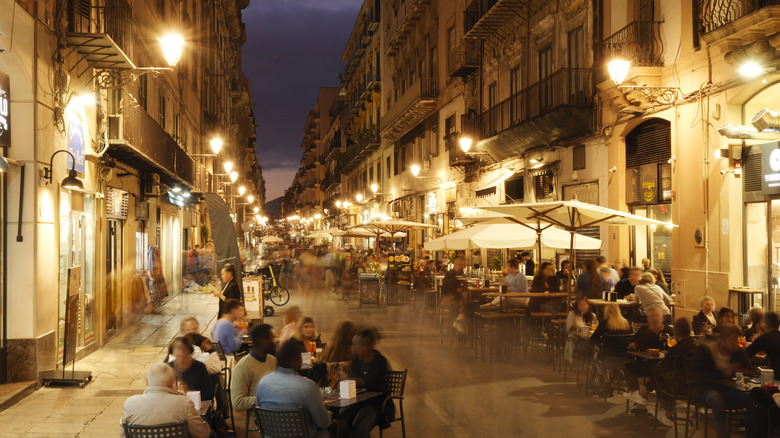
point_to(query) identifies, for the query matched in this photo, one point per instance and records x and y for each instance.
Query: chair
(695, 396)
(173, 430)
(286, 424)
(667, 385)
(396, 382)
(227, 378)
(611, 356)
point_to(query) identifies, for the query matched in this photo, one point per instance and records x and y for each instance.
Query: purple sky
(293, 48)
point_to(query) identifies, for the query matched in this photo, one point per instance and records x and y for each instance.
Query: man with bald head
(162, 404)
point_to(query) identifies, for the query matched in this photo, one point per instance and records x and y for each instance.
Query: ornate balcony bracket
(654, 95)
(111, 79)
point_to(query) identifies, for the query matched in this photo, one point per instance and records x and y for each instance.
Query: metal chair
(173, 430)
(396, 383)
(286, 424)
(695, 396)
(227, 378)
(666, 384)
(613, 347)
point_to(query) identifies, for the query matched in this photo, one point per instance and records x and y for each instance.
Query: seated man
(716, 363)
(651, 296)
(625, 287)
(769, 343)
(647, 337)
(725, 316)
(224, 331)
(665, 373)
(515, 282)
(284, 389)
(250, 369)
(454, 293)
(189, 325)
(162, 404)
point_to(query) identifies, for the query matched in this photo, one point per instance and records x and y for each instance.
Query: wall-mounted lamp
(172, 45)
(465, 144)
(70, 181)
(233, 176)
(359, 197)
(241, 191)
(415, 168)
(256, 209)
(228, 165)
(374, 188)
(250, 199)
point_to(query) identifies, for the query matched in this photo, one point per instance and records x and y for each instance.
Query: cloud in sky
(293, 48)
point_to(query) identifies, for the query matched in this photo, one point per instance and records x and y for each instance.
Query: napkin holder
(195, 397)
(585, 332)
(306, 358)
(767, 377)
(348, 389)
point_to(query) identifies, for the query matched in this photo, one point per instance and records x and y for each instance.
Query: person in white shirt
(651, 296)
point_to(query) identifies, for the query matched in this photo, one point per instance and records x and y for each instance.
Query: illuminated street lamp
(172, 45)
(257, 210)
(415, 168)
(359, 197)
(233, 176)
(250, 199)
(465, 144)
(374, 188)
(618, 69)
(216, 145)
(228, 165)
(338, 204)
(241, 191)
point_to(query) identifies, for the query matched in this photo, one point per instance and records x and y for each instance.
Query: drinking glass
(742, 341)
(664, 337)
(671, 342)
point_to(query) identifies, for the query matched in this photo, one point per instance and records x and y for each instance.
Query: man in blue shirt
(515, 282)
(224, 331)
(284, 389)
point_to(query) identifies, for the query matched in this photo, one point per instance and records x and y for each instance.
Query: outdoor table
(337, 404)
(744, 295)
(523, 295)
(481, 290)
(646, 356)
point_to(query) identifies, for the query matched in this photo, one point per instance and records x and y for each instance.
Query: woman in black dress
(369, 369)
(230, 291)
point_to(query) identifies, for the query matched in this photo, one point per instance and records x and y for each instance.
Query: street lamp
(241, 191)
(751, 69)
(374, 188)
(228, 165)
(233, 176)
(70, 181)
(171, 47)
(338, 204)
(618, 69)
(256, 210)
(415, 168)
(216, 145)
(465, 144)
(359, 197)
(250, 199)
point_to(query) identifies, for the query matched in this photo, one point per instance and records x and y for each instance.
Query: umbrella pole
(539, 241)
(571, 268)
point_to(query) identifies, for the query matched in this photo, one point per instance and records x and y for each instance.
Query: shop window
(544, 185)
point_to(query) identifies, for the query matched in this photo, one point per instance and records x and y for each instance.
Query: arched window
(648, 172)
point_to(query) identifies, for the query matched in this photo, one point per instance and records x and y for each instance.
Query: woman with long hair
(191, 375)
(613, 323)
(305, 332)
(590, 284)
(339, 349)
(579, 316)
(291, 317)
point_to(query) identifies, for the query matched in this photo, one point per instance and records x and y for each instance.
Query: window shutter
(752, 173)
(649, 143)
(578, 157)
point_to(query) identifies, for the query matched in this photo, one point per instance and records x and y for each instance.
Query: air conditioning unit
(115, 127)
(141, 210)
(151, 185)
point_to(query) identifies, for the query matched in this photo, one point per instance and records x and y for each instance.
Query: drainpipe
(706, 180)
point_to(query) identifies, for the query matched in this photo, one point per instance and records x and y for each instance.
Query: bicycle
(276, 293)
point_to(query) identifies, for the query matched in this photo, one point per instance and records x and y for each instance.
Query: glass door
(654, 242)
(113, 275)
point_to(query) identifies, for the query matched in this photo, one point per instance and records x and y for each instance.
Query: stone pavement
(449, 393)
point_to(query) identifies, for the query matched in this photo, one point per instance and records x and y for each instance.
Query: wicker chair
(174, 430)
(286, 424)
(396, 383)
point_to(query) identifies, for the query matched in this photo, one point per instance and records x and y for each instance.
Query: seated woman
(613, 324)
(191, 375)
(647, 337)
(306, 333)
(205, 353)
(705, 320)
(338, 354)
(754, 324)
(369, 369)
(580, 316)
(545, 281)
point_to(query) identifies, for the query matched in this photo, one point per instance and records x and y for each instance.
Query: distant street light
(233, 176)
(415, 168)
(216, 145)
(241, 191)
(250, 199)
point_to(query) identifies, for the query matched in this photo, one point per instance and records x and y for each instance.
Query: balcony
(101, 32)
(715, 14)
(464, 59)
(138, 140)
(360, 145)
(417, 103)
(483, 18)
(639, 42)
(400, 26)
(556, 108)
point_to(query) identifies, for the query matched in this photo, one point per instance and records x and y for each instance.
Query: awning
(481, 193)
(99, 50)
(490, 187)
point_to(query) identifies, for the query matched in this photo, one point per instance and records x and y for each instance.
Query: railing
(476, 10)
(396, 26)
(640, 42)
(147, 137)
(713, 14)
(464, 55)
(429, 88)
(111, 17)
(566, 87)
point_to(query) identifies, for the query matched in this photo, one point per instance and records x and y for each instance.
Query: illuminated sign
(648, 178)
(770, 168)
(76, 142)
(5, 110)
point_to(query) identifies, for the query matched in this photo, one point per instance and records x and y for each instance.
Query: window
(143, 92)
(449, 128)
(544, 185)
(514, 98)
(451, 42)
(514, 189)
(161, 109)
(576, 49)
(578, 157)
(493, 113)
(648, 172)
(545, 70)
(176, 129)
(389, 166)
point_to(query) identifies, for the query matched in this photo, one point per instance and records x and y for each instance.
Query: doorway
(113, 275)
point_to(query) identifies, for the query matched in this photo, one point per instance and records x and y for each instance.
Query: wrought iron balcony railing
(111, 17)
(713, 14)
(640, 42)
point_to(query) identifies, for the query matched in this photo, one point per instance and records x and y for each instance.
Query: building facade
(92, 93)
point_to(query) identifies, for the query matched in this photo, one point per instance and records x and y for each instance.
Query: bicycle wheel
(279, 295)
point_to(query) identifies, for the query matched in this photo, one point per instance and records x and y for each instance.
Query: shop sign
(76, 142)
(648, 180)
(770, 168)
(5, 110)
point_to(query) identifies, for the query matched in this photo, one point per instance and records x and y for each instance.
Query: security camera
(672, 160)
(613, 169)
(724, 171)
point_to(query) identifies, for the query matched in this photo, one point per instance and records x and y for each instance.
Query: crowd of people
(267, 372)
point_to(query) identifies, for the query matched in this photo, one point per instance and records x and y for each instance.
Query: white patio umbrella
(571, 216)
(362, 232)
(392, 226)
(271, 239)
(508, 236)
(320, 234)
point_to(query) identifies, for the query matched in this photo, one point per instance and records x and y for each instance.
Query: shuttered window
(578, 157)
(752, 171)
(649, 144)
(544, 184)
